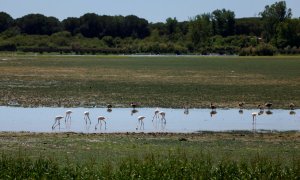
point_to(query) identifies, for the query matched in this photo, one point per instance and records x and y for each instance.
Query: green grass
(153, 81)
(150, 167)
(239, 155)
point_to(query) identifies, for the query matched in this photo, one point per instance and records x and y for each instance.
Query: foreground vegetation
(172, 81)
(240, 155)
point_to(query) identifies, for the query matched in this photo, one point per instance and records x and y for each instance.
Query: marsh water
(126, 120)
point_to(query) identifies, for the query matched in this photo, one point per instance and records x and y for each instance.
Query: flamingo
(254, 114)
(87, 117)
(100, 119)
(156, 114)
(162, 115)
(57, 120)
(68, 115)
(141, 122)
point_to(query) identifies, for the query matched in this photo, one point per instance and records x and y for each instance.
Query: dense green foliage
(149, 167)
(218, 32)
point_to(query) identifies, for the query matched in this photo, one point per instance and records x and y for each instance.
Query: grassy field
(172, 81)
(133, 156)
(153, 81)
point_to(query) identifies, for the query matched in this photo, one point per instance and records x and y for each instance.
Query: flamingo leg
(89, 119)
(97, 125)
(53, 126)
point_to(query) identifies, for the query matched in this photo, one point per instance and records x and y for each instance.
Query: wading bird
(140, 122)
(87, 117)
(109, 108)
(156, 115)
(254, 114)
(68, 115)
(100, 119)
(133, 105)
(261, 107)
(212, 106)
(162, 116)
(57, 121)
(241, 105)
(268, 105)
(292, 106)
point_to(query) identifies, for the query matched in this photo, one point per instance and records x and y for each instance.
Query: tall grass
(174, 166)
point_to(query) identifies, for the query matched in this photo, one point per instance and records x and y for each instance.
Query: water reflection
(292, 113)
(241, 111)
(186, 110)
(213, 113)
(134, 111)
(269, 112)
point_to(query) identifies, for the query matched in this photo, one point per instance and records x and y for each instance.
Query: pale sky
(152, 10)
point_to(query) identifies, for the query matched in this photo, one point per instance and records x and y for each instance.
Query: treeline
(274, 31)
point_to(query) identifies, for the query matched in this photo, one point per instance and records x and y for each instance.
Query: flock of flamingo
(160, 115)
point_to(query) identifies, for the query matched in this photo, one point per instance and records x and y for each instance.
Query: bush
(7, 46)
(265, 50)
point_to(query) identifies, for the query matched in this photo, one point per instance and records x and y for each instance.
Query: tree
(286, 34)
(72, 25)
(38, 24)
(200, 29)
(171, 24)
(248, 26)
(135, 27)
(91, 26)
(272, 16)
(223, 22)
(5, 21)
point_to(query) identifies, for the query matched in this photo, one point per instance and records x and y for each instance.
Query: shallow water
(122, 120)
